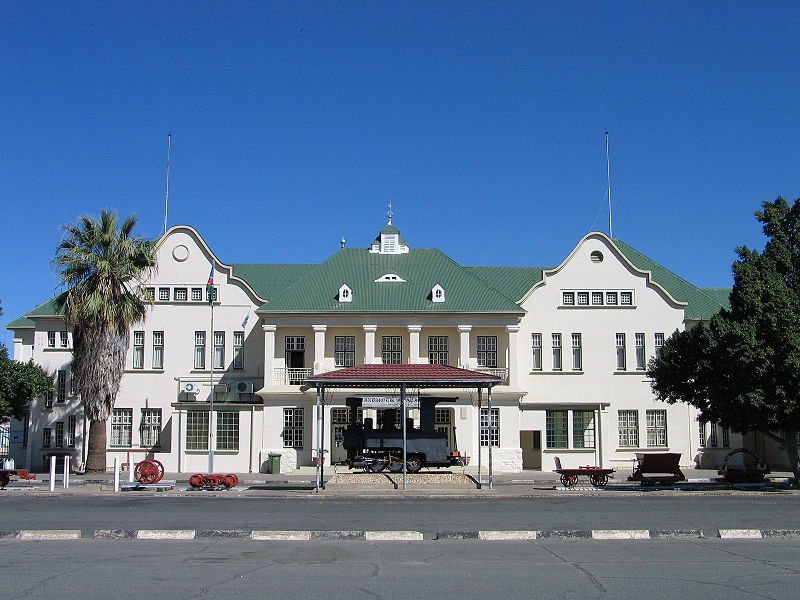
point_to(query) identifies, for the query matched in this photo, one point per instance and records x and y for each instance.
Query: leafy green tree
(101, 266)
(743, 369)
(19, 383)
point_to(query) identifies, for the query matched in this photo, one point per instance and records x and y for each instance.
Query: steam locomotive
(382, 448)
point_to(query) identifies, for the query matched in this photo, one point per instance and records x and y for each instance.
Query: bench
(657, 467)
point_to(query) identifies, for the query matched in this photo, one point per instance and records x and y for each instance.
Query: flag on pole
(210, 293)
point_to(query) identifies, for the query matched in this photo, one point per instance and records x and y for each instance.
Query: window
(536, 342)
(150, 428)
(597, 298)
(701, 425)
(620, 352)
(121, 427)
(556, 429)
(438, 293)
(292, 427)
(658, 342)
(583, 298)
(228, 430)
(568, 298)
(344, 352)
(47, 437)
(712, 436)
(63, 338)
(163, 294)
(197, 430)
(60, 434)
(158, 349)
(656, 427)
(61, 386)
(197, 294)
(626, 298)
(583, 429)
(438, 350)
(577, 352)
(71, 422)
(149, 294)
(487, 351)
(556, 351)
(392, 349)
(219, 349)
(238, 350)
(73, 384)
(490, 428)
(199, 349)
(638, 339)
(628, 424)
(138, 349)
(210, 291)
(180, 294)
(48, 400)
(726, 437)
(611, 298)
(51, 339)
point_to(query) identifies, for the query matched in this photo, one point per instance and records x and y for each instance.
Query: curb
(395, 536)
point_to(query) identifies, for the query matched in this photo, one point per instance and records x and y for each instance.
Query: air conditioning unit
(221, 388)
(190, 387)
(244, 387)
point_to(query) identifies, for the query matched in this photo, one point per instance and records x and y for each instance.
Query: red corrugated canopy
(413, 375)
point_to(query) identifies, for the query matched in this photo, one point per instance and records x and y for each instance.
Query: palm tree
(101, 267)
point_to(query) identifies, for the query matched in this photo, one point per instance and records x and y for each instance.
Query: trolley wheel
(4, 479)
(196, 480)
(599, 480)
(146, 471)
(569, 480)
(235, 478)
(377, 466)
(414, 463)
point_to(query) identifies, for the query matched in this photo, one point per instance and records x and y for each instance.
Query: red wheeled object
(213, 480)
(5, 475)
(149, 471)
(598, 476)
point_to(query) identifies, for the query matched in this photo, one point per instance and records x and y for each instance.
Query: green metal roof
(513, 282)
(421, 269)
(721, 295)
(270, 280)
(48, 309)
(700, 303)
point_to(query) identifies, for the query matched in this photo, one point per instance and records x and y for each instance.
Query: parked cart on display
(752, 470)
(148, 471)
(7, 474)
(657, 467)
(598, 476)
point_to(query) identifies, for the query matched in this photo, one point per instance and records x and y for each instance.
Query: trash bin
(274, 462)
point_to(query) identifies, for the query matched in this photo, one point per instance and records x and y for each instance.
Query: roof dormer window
(345, 293)
(390, 277)
(437, 293)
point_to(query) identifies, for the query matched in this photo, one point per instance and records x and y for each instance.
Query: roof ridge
(471, 274)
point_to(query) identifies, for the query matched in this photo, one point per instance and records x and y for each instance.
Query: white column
(269, 354)
(369, 344)
(319, 347)
(513, 367)
(18, 349)
(463, 351)
(413, 344)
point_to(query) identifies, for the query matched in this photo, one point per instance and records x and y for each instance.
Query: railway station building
(569, 344)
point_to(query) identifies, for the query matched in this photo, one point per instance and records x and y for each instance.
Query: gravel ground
(449, 480)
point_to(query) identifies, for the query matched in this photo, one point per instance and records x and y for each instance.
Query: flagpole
(211, 294)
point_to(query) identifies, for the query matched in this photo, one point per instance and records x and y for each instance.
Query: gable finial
(390, 213)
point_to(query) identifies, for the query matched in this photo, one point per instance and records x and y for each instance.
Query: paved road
(198, 511)
(665, 569)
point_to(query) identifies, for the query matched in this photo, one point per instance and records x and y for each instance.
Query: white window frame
(568, 298)
(219, 350)
(150, 428)
(47, 438)
(577, 352)
(293, 426)
(63, 339)
(658, 343)
(584, 432)
(163, 294)
(72, 421)
(59, 436)
(197, 430)
(656, 421)
(197, 294)
(628, 428)
(344, 351)
(61, 385)
(557, 429)
(227, 431)
(536, 350)
(490, 431)
(180, 294)
(238, 350)
(626, 298)
(200, 350)
(611, 298)
(121, 428)
(621, 352)
(438, 350)
(641, 356)
(392, 350)
(597, 299)
(487, 351)
(138, 350)
(558, 356)
(51, 339)
(583, 298)
(158, 350)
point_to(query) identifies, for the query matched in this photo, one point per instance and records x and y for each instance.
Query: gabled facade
(569, 343)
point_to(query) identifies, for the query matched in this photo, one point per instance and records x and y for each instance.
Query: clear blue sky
(483, 122)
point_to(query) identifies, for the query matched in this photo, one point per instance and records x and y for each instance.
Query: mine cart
(752, 470)
(661, 467)
(598, 476)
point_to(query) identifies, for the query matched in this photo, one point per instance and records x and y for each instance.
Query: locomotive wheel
(234, 478)
(160, 469)
(414, 463)
(145, 472)
(396, 466)
(196, 480)
(377, 467)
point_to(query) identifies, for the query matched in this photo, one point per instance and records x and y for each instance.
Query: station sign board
(388, 402)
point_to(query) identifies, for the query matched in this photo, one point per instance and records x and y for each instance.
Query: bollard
(130, 468)
(52, 473)
(66, 472)
(116, 473)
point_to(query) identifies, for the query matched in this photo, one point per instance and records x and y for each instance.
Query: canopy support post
(480, 470)
(491, 429)
(403, 416)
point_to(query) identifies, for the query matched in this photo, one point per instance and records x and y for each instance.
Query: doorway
(531, 443)
(444, 422)
(295, 359)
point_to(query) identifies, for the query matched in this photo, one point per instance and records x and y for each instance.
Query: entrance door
(531, 444)
(444, 422)
(340, 417)
(295, 359)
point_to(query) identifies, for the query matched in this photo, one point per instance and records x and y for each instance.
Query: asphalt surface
(668, 570)
(746, 510)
